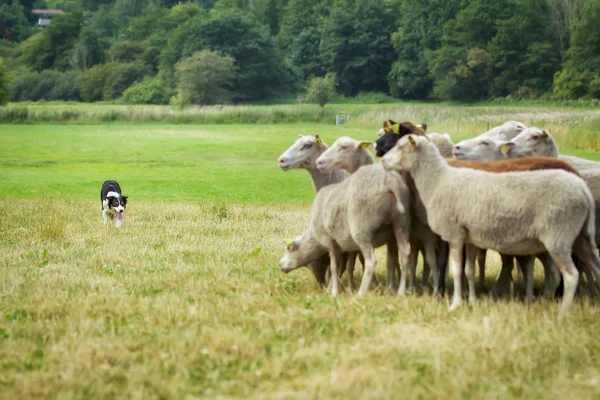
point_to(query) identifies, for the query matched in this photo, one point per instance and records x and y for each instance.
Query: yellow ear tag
(505, 148)
(364, 145)
(412, 141)
(288, 242)
(386, 129)
(319, 141)
(396, 129)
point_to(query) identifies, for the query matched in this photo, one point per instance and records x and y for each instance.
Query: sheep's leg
(370, 262)
(526, 265)
(402, 237)
(431, 259)
(481, 253)
(570, 278)
(320, 269)
(344, 257)
(442, 263)
(413, 255)
(502, 285)
(335, 258)
(471, 255)
(551, 275)
(426, 266)
(456, 256)
(350, 267)
(392, 265)
(583, 249)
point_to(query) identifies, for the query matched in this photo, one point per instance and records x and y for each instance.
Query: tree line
(207, 52)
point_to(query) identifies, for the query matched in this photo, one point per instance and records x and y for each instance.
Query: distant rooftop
(37, 11)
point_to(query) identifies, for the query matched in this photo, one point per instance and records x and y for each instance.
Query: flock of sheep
(506, 190)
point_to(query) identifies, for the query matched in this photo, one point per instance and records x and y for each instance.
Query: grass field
(187, 300)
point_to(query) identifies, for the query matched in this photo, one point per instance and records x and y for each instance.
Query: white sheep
(303, 154)
(350, 154)
(358, 214)
(518, 213)
(345, 153)
(488, 145)
(443, 142)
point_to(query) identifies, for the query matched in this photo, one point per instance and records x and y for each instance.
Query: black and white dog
(113, 203)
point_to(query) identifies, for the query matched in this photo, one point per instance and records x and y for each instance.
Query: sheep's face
(480, 149)
(506, 131)
(531, 142)
(302, 154)
(404, 154)
(300, 252)
(340, 154)
(392, 132)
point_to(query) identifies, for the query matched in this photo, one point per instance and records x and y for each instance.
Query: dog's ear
(124, 200)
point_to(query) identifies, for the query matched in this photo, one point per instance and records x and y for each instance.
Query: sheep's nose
(281, 161)
(456, 147)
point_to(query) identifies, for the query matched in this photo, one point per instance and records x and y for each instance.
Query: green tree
(321, 90)
(260, 71)
(205, 78)
(420, 33)
(51, 47)
(13, 21)
(356, 45)
(581, 72)
(87, 51)
(525, 58)
(5, 78)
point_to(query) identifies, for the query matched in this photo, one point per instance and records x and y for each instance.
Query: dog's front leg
(105, 217)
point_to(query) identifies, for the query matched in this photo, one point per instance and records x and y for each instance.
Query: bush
(5, 77)
(148, 91)
(321, 90)
(109, 81)
(126, 51)
(46, 85)
(570, 84)
(205, 78)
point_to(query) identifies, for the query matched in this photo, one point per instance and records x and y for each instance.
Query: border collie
(113, 203)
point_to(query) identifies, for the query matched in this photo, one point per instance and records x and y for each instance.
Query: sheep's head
(300, 251)
(341, 154)
(532, 142)
(404, 155)
(303, 153)
(481, 148)
(393, 131)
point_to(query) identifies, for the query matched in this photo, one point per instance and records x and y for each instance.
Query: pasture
(187, 300)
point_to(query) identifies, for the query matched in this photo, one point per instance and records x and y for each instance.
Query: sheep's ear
(506, 147)
(319, 141)
(362, 145)
(413, 143)
(288, 242)
(386, 127)
(544, 135)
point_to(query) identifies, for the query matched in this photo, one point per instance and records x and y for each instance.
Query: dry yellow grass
(187, 301)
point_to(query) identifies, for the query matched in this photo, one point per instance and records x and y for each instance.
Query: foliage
(148, 91)
(411, 49)
(13, 21)
(48, 85)
(205, 78)
(321, 90)
(51, 47)
(109, 81)
(5, 78)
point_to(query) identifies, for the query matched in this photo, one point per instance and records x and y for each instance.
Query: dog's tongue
(119, 216)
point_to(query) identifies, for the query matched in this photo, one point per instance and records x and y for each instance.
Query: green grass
(214, 163)
(187, 300)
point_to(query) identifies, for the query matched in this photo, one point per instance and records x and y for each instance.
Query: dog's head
(118, 204)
